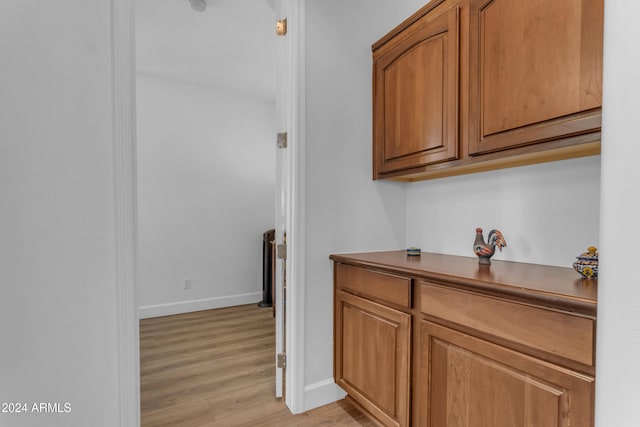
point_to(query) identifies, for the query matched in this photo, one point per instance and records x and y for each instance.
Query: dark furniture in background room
(268, 240)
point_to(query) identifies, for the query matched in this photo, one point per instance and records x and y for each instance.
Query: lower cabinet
(463, 381)
(463, 346)
(373, 345)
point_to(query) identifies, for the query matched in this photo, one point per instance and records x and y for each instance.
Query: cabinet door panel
(372, 357)
(414, 123)
(467, 382)
(536, 71)
(416, 96)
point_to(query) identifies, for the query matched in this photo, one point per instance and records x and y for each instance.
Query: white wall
(618, 344)
(57, 252)
(548, 213)
(345, 210)
(206, 191)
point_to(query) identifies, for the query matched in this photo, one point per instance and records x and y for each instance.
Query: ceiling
(231, 45)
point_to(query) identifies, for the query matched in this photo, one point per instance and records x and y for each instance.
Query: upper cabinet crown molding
(469, 85)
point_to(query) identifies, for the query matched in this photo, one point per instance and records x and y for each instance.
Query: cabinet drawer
(558, 333)
(387, 287)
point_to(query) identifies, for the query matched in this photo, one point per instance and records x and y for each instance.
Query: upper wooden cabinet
(535, 71)
(416, 95)
(470, 85)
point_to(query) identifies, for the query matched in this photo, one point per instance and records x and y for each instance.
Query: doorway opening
(206, 173)
(292, 113)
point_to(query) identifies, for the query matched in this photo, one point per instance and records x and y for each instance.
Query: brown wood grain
(511, 344)
(381, 286)
(529, 89)
(554, 287)
(415, 85)
(467, 382)
(535, 71)
(550, 151)
(555, 332)
(373, 354)
(216, 368)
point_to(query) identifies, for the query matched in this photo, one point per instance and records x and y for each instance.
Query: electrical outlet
(187, 283)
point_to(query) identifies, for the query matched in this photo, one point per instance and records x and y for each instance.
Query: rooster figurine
(486, 250)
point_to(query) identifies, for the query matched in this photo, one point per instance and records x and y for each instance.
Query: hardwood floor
(215, 368)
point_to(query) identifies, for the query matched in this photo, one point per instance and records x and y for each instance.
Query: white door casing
(290, 182)
(282, 199)
(124, 151)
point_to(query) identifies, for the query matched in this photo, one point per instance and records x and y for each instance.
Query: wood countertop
(555, 287)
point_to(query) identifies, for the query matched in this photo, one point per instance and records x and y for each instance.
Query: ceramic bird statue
(485, 251)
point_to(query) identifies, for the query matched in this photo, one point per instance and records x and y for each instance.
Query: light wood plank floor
(215, 368)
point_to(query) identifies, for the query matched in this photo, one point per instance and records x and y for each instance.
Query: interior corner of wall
(322, 393)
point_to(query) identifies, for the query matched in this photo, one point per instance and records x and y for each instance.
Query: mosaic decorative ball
(587, 263)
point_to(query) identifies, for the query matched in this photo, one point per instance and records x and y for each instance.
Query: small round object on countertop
(413, 251)
(587, 263)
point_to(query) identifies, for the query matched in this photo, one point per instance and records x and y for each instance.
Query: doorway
(206, 152)
(123, 29)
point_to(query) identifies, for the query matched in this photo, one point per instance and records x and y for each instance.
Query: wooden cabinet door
(372, 354)
(535, 71)
(415, 95)
(463, 381)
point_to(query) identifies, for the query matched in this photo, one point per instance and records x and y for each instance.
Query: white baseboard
(321, 393)
(147, 311)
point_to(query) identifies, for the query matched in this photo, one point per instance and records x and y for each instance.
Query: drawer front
(562, 334)
(387, 287)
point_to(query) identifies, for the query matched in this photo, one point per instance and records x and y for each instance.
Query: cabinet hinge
(282, 360)
(282, 140)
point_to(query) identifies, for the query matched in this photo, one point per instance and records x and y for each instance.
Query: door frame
(295, 189)
(125, 193)
(124, 151)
